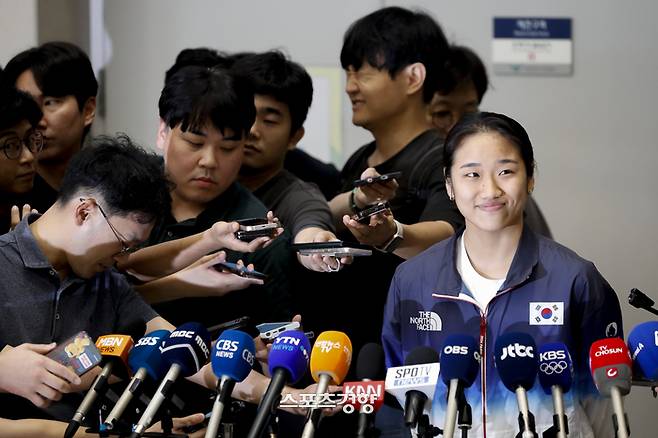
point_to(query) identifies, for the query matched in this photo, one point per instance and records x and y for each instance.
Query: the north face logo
(427, 321)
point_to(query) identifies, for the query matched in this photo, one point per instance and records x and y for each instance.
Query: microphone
(232, 359)
(288, 361)
(638, 299)
(415, 382)
(460, 363)
(516, 362)
(115, 349)
(555, 377)
(643, 344)
(367, 395)
(610, 364)
(330, 360)
(145, 360)
(185, 351)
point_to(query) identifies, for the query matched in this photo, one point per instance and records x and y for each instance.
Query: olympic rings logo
(556, 367)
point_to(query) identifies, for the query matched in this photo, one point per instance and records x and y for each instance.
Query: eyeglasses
(125, 248)
(12, 145)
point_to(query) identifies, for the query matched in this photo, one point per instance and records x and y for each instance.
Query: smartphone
(253, 228)
(336, 248)
(377, 179)
(78, 353)
(363, 217)
(243, 323)
(270, 330)
(236, 269)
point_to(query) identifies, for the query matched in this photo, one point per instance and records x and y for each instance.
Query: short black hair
(393, 38)
(484, 122)
(129, 179)
(16, 106)
(59, 69)
(199, 56)
(194, 95)
(463, 65)
(272, 74)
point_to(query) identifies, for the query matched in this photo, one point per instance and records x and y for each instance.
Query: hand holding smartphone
(240, 270)
(377, 179)
(363, 217)
(253, 228)
(78, 353)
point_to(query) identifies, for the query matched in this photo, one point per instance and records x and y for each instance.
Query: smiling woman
(497, 276)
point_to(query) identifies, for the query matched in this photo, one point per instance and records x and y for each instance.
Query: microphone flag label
(546, 313)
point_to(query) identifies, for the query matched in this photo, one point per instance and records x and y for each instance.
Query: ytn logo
(517, 350)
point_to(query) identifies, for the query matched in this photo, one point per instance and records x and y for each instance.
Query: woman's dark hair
(391, 39)
(486, 122)
(195, 95)
(129, 179)
(16, 106)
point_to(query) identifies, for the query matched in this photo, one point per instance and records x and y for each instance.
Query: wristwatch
(395, 241)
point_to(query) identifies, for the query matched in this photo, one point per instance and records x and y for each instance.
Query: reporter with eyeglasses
(20, 142)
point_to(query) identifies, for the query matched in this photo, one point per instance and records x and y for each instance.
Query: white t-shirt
(483, 289)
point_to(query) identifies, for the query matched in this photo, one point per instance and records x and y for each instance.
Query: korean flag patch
(549, 313)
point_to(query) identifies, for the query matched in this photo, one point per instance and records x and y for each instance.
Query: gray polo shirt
(37, 307)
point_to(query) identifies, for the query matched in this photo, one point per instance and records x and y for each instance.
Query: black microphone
(369, 366)
(639, 300)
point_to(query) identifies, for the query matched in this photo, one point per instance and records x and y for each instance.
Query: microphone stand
(425, 429)
(464, 412)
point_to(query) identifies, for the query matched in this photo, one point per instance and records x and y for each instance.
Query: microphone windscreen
(233, 355)
(516, 360)
(291, 352)
(146, 354)
(611, 365)
(332, 355)
(421, 355)
(187, 346)
(460, 359)
(643, 344)
(370, 362)
(555, 367)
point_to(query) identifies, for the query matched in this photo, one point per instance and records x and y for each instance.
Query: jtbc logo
(552, 355)
(517, 350)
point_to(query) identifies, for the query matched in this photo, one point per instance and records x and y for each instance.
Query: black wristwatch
(395, 241)
(355, 208)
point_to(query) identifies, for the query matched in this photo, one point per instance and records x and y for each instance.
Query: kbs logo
(427, 321)
(552, 355)
(517, 350)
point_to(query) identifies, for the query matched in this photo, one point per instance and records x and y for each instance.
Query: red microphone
(365, 397)
(611, 366)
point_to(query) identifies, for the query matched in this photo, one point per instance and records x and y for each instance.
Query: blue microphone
(516, 361)
(185, 351)
(288, 362)
(231, 360)
(556, 377)
(460, 363)
(643, 345)
(145, 360)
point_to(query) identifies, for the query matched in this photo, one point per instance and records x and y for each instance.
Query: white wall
(18, 27)
(594, 132)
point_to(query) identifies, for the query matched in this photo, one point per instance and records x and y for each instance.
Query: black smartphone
(363, 217)
(236, 269)
(243, 323)
(377, 179)
(253, 228)
(336, 248)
